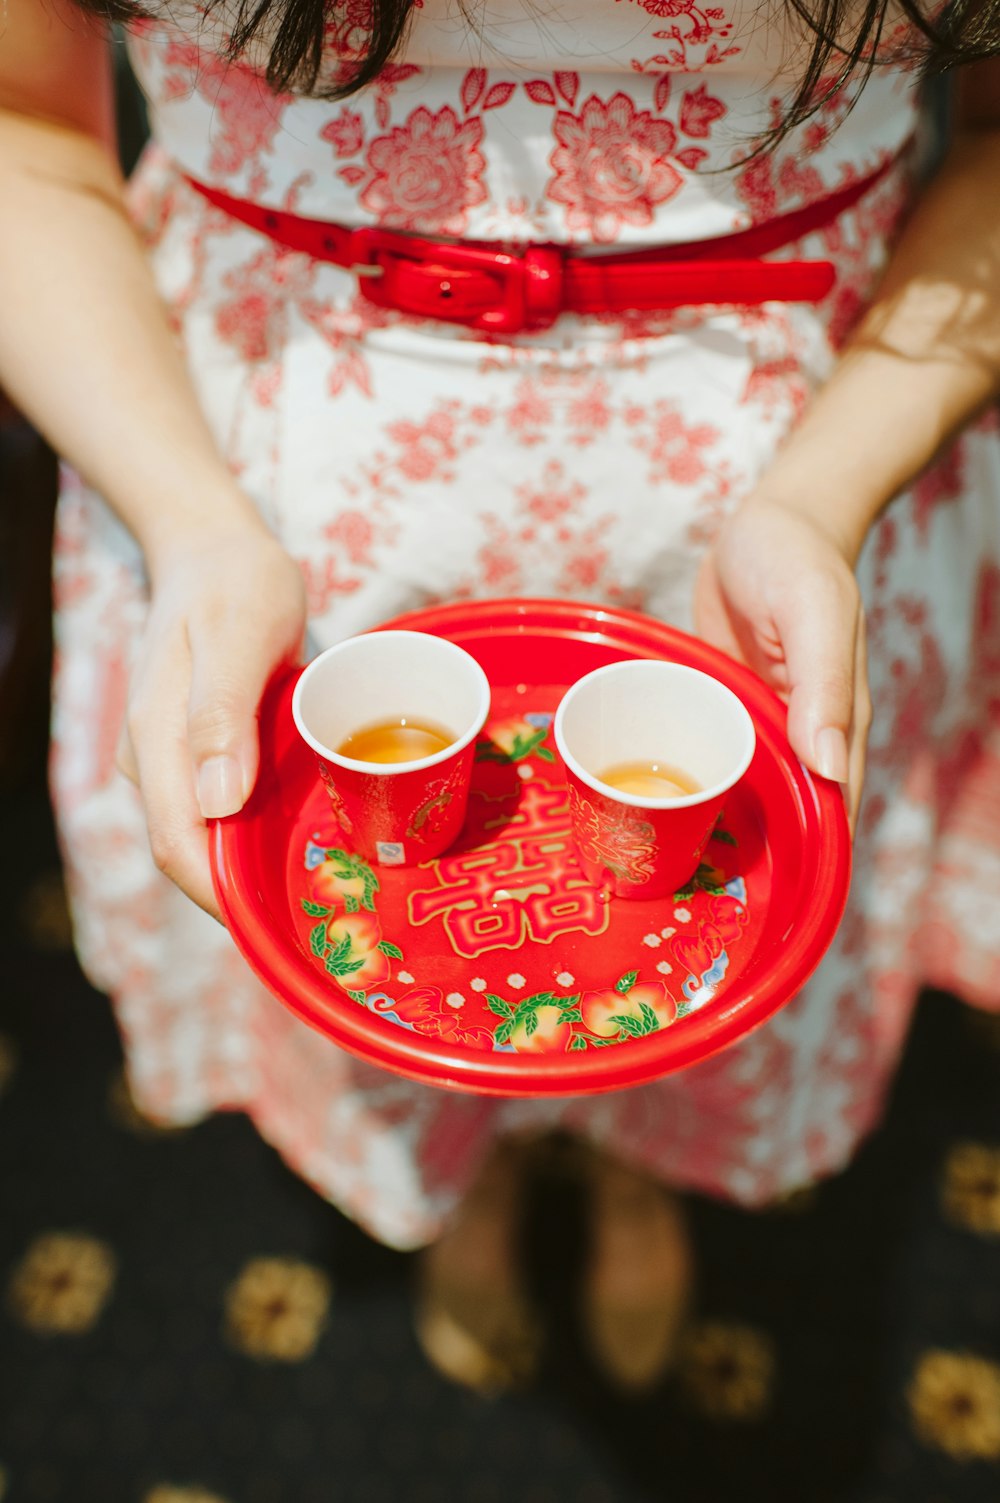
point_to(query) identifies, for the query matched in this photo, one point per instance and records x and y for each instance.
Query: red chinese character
(523, 887)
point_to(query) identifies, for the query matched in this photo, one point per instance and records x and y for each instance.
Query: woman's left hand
(778, 593)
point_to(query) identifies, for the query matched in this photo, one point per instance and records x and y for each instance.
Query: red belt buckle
(498, 292)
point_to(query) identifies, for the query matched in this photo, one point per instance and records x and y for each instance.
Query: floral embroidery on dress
(246, 114)
(701, 36)
(427, 174)
(611, 166)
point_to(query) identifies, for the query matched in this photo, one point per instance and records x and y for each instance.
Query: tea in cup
(651, 750)
(393, 718)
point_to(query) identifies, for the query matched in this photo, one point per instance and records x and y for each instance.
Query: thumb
(819, 641)
(230, 668)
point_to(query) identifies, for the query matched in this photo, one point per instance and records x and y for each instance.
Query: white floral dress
(404, 462)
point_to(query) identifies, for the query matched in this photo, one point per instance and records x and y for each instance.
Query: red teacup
(394, 813)
(652, 713)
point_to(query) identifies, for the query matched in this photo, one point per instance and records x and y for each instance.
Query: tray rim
(423, 1059)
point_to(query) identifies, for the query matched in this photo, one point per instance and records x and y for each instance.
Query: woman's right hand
(227, 609)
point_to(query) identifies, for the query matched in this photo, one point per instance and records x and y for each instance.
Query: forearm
(924, 360)
(85, 347)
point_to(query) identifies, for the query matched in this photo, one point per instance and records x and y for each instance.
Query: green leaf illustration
(530, 1023)
(578, 1041)
(503, 1033)
(522, 746)
(314, 910)
(357, 997)
(499, 1006)
(684, 894)
(343, 863)
(347, 867)
(570, 1015)
(649, 1017)
(525, 745)
(630, 1026)
(724, 837)
(352, 905)
(547, 755)
(317, 939)
(341, 952)
(342, 966)
(388, 948)
(528, 1006)
(625, 983)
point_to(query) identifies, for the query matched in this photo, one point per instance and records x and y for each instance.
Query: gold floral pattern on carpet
(970, 1188)
(727, 1369)
(167, 1494)
(124, 1113)
(44, 914)
(954, 1400)
(8, 1063)
(277, 1309)
(62, 1283)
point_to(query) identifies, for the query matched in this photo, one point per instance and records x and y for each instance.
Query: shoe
(474, 1319)
(638, 1285)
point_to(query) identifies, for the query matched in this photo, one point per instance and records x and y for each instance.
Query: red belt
(511, 289)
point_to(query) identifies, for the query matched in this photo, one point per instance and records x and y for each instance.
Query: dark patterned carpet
(183, 1321)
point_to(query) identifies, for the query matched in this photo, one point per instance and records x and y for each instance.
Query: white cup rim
(634, 800)
(391, 769)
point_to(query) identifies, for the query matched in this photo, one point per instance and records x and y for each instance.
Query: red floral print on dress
(344, 331)
(768, 187)
(940, 484)
(246, 114)
(699, 111)
(530, 413)
(554, 498)
(354, 532)
(588, 565)
(476, 95)
(677, 449)
(427, 173)
(346, 133)
(702, 20)
(589, 414)
(705, 30)
(254, 321)
(611, 166)
(324, 583)
(348, 30)
(427, 450)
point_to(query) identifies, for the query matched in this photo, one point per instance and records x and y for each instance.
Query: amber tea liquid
(649, 780)
(399, 740)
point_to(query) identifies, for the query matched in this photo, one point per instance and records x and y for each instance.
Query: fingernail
(831, 754)
(220, 787)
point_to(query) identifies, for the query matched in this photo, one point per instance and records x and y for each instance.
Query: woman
(268, 439)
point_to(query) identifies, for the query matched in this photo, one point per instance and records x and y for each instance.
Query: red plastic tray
(497, 969)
